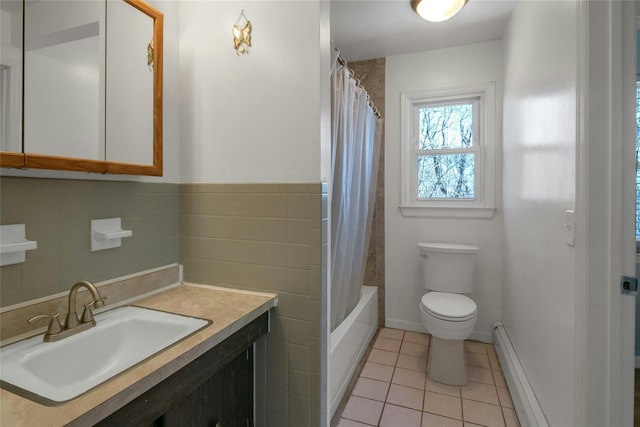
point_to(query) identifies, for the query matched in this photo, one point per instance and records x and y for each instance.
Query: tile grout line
(384, 404)
(395, 365)
(424, 395)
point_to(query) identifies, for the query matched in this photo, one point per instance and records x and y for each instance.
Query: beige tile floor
(394, 391)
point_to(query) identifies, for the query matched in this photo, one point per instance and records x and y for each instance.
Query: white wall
(539, 139)
(253, 118)
(446, 68)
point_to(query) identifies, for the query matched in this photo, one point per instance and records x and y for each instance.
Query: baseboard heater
(524, 400)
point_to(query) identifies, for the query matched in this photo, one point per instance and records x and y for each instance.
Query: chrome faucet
(72, 324)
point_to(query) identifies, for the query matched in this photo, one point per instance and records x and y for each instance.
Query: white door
(626, 246)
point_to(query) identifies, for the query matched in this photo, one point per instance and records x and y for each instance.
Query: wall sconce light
(150, 55)
(437, 10)
(242, 34)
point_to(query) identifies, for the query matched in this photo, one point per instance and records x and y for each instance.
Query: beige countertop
(229, 309)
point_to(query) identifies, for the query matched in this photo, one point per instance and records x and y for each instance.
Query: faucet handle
(54, 325)
(87, 314)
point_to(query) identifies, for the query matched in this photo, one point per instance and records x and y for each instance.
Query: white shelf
(25, 245)
(117, 234)
(107, 233)
(13, 244)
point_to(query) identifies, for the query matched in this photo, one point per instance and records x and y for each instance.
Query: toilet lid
(446, 306)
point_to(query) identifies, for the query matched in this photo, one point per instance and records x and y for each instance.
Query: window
(448, 162)
(446, 150)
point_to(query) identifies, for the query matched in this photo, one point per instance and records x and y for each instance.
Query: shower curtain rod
(343, 62)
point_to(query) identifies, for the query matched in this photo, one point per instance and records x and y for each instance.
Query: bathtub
(349, 341)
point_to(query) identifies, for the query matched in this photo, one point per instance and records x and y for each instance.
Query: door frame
(605, 212)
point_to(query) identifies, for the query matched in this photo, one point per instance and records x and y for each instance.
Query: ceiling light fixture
(437, 10)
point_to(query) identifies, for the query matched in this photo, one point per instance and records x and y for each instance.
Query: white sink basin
(61, 370)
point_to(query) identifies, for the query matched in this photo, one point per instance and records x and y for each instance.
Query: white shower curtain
(356, 138)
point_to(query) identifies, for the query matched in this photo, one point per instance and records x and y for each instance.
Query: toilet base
(446, 362)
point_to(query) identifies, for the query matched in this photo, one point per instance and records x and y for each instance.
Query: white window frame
(484, 148)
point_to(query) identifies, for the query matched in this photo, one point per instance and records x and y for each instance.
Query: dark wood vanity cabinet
(214, 390)
(224, 399)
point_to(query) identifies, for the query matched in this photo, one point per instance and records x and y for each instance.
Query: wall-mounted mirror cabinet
(81, 86)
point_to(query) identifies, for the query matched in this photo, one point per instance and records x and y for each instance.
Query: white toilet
(447, 314)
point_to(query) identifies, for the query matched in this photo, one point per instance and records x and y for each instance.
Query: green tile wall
(262, 237)
(57, 214)
(267, 237)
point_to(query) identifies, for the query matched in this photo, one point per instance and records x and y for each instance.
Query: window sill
(444, 212)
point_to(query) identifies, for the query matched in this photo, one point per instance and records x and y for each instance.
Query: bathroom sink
(54, 372)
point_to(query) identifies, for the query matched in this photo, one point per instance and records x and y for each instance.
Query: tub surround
(230, 311)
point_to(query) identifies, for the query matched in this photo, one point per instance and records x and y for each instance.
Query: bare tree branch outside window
(446, 175)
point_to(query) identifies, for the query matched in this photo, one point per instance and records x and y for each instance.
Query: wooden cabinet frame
(38, 161)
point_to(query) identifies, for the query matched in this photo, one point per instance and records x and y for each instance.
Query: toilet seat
(449, 307)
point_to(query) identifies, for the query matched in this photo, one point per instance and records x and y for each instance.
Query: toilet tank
(448, 267)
